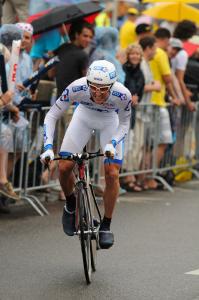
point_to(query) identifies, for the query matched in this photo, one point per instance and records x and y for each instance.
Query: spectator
(8, 33)
(144, 115)
(46, 43)
(149, 46)
(127, 30)
(25, 65)
(134, 78)
(14, 11)
(162, 72)
(134, 81)
(103, 19)
(106, 48)
(183, 31)
(142, 30)
(168, 25)
(6, 144)
(175, 45)
(73, 60)
(162, 38)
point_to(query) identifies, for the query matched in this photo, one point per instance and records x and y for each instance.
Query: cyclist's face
(99, 93)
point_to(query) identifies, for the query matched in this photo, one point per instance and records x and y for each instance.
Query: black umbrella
(64, 14)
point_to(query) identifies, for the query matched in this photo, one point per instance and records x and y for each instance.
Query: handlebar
(80, 156)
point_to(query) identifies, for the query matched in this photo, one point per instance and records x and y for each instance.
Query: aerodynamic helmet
(102, 72)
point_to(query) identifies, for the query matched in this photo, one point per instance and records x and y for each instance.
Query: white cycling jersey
(111, 117)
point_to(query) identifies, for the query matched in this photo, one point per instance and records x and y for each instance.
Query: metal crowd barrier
(142, 143)
(34, 170)
(140, 157)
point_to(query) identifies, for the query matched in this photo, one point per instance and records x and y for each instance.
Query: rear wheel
(85, 234)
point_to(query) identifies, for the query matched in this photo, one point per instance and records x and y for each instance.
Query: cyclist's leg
(76, 137)
(111, 191)
(112, 167)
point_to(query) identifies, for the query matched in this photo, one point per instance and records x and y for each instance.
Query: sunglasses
(101, 89)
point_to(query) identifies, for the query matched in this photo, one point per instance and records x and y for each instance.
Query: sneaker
(106, 239)
(68, 221)
(6, 189)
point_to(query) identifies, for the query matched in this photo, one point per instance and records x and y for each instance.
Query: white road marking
(134, 199)
(183, 189)
(194, 272)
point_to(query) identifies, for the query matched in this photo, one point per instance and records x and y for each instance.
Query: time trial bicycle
(87, 213)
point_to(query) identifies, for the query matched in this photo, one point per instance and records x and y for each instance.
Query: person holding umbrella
(73, 60)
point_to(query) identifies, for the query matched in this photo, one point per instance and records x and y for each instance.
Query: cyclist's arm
(56, 111)
(124, 115)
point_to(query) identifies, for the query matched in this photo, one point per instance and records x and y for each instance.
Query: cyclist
(105, 105)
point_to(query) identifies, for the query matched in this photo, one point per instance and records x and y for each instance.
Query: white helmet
(102, 72)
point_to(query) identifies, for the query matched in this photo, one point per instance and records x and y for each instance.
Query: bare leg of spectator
(11, 162)
(152, 183)
(6, 188)
(3, 165)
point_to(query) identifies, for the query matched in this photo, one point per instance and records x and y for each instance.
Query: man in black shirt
(73, 60)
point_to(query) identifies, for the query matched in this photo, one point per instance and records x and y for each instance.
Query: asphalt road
(156, 244)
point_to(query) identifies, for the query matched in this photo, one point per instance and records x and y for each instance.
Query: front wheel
(85, 231)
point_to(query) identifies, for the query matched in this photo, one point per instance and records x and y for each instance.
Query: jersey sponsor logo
(64, 97)
(119, 95)
(79, 88)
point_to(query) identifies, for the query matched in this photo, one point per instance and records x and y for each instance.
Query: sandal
(132, 187)
(155, 185)
(144, 185)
